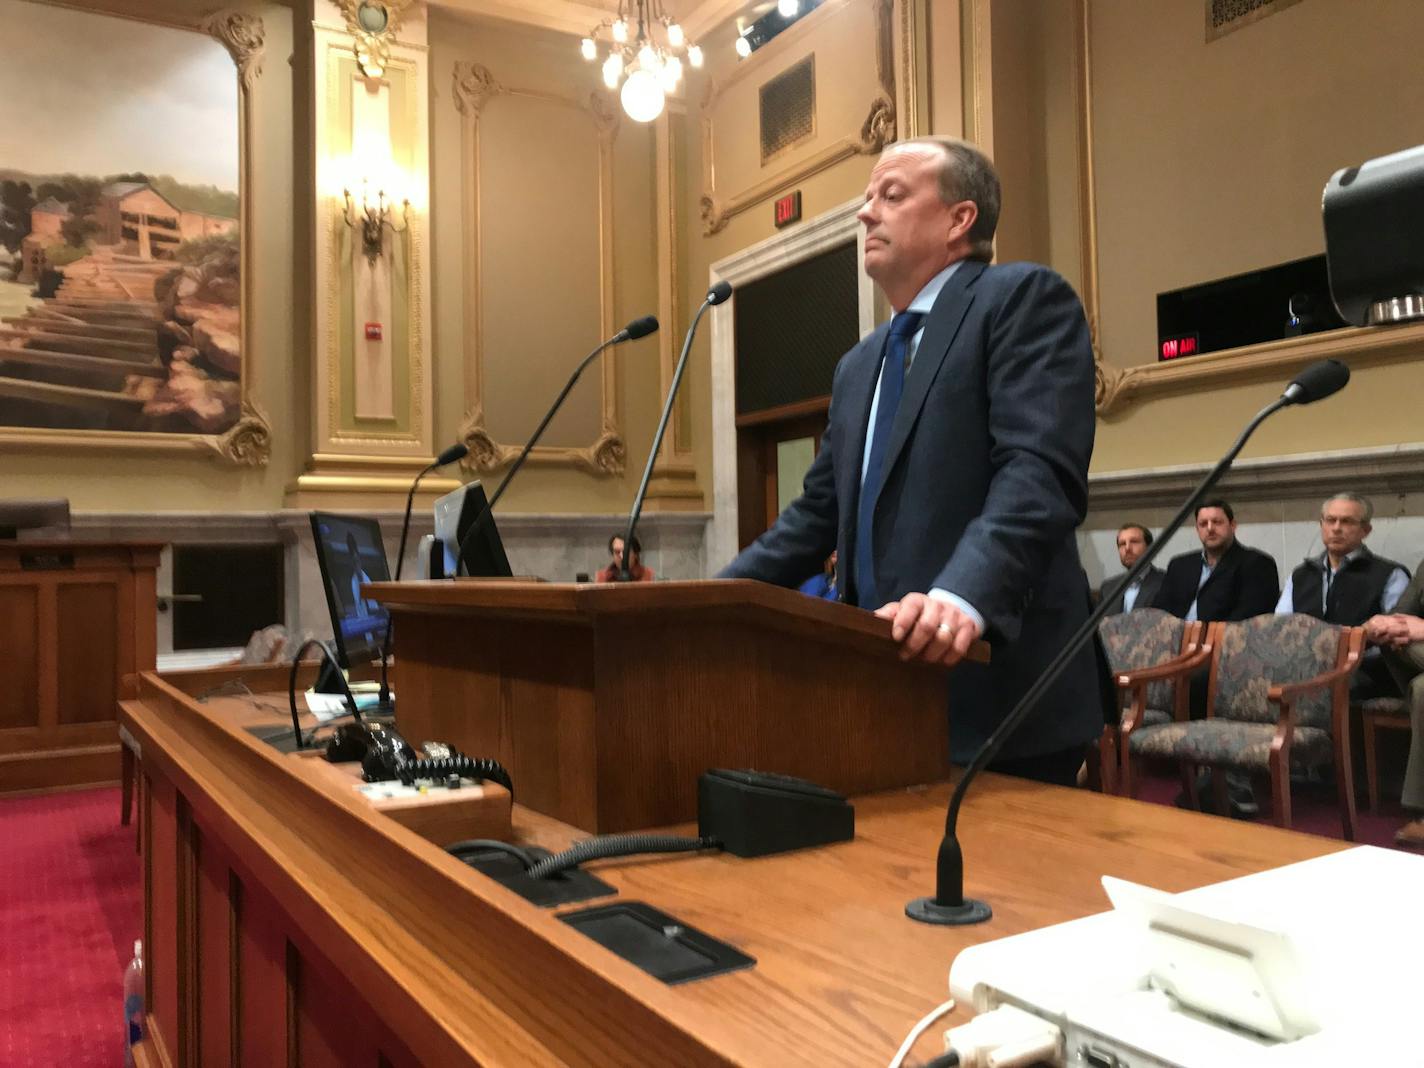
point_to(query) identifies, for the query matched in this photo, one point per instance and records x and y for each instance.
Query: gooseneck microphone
(457, 451)
(634, 330)
(351, 708)
(949, 905)
(716, 295)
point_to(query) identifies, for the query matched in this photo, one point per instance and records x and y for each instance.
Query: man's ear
(962, 216)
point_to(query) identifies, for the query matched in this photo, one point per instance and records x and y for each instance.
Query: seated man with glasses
(1347, 584)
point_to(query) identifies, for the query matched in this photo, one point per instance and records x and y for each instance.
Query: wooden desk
(78, 622)
(287, 925)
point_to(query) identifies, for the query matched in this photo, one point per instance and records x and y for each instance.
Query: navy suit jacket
(985, 481)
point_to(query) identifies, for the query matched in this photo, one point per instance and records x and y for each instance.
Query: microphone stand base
(927, 910)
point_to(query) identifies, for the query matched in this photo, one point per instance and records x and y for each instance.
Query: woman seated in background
(636, 570)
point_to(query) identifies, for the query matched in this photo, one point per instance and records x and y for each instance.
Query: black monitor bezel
(484, 557)
(333, 610)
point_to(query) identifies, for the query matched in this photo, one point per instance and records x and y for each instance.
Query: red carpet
(70, 910)
(1313, 808)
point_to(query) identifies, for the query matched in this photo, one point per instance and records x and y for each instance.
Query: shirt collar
(1350, 557)
(925, 299)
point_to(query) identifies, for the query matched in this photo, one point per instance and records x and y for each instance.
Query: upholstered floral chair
(1147, 651)
(1277, 697)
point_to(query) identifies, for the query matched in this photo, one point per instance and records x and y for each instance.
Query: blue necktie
(892, 386)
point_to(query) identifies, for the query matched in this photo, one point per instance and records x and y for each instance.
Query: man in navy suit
(953, 470)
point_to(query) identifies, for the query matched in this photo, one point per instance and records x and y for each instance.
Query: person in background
(1132, 541)
(823, 585)
(1401, 635)
(635, 563)
(1348, 585)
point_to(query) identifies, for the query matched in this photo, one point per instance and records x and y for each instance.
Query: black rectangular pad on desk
(656, 942)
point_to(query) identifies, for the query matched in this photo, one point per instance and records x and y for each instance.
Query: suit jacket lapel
(857, 391)
(940, 330)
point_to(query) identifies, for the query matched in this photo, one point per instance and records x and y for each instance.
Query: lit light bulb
(744, 47)
(589, 49)
(671, 73)
(642, 96)
(694, 55)
(648, 59)
(620, 31)
(675, 35)
(612, 70)
(787, 8)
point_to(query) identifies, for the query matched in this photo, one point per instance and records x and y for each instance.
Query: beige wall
(542, 334)
(104, 479)
(1210, 161)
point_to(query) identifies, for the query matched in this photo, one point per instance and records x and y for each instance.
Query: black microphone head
(720, 292)
(457, 451)
(648, 324)
(1317, 382)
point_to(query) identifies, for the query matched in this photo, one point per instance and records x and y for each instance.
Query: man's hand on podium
(930, 630)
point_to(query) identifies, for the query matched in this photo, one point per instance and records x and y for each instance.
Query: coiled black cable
(617, 845)
(458, 764)
(463, 849)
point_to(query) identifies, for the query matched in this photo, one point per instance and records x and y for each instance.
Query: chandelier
(647, 67)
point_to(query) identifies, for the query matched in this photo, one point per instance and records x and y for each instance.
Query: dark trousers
(1056, 769)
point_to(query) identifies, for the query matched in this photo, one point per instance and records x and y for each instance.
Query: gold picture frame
(247, 441)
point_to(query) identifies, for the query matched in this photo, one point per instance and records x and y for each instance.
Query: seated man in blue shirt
(1347, 584)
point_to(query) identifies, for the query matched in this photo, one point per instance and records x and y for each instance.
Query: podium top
(588, 603)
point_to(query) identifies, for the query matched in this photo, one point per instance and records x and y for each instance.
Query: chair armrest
(1290, 690)
(1168, 669)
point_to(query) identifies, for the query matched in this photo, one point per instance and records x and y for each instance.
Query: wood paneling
(19, 637)
(359, 941)
(87, 650)
(573, 687)
(78, 623)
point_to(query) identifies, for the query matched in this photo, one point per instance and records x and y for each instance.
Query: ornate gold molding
(878, 129)
(248, 441)
(373, 46)
(474, 87)
(1359, 347)
(244, 36)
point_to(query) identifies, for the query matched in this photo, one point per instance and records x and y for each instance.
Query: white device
(1311, 964)
(447, 526)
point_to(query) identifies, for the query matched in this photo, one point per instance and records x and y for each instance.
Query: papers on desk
(327, 706)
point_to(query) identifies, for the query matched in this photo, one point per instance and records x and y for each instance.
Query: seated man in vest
(1347, 584)
(1401, 635)
(1132, 541)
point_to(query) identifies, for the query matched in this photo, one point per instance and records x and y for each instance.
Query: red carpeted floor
(70, 910)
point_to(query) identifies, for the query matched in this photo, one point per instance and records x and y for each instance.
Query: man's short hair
(637, 545)
(968, 174)
(1146, 534)
(1363, 502)
(1216, 502)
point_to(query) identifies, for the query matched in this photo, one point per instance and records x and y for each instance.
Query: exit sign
(788, 209)
(1173, 348)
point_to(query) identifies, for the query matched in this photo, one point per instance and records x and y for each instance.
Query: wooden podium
(78, 622)
(606, 702)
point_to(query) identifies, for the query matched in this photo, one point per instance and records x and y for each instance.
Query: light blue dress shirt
(1129, 596)
(1207, 568)
(923, 302)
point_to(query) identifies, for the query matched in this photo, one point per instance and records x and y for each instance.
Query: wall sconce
(374, 220)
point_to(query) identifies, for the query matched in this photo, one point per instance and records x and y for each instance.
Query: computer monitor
(455, 514)
(350, 552)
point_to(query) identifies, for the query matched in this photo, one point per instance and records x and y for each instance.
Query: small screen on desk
(351, 553)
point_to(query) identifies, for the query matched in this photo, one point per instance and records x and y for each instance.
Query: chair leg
(1280, 790)
(1371, 771)
(126, 782)
(1345, 786)
(1219, 799)
(1189, 784)
(1126, 781)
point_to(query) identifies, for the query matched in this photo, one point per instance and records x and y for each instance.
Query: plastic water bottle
(133, 1004)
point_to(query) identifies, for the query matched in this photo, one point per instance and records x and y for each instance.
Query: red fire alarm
(373, 331)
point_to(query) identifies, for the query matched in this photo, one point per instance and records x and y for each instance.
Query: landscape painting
(120, 294)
